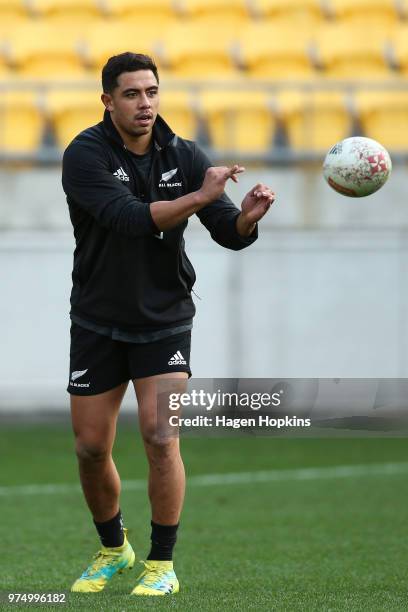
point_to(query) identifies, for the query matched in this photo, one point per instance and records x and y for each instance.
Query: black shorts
(98, 363)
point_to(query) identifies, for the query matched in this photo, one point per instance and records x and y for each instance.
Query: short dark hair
(125, 62)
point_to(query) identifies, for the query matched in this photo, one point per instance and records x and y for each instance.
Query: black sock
(111, 532)
(163, 540)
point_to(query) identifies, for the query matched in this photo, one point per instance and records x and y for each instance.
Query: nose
(144, 101)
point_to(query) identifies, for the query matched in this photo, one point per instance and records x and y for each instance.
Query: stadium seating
(314, 120)
(142, 10)
(348, 52)
(238, 121)
(107, 38)
(403, 8)
(274, 52)
(188, 54)
(232, 15)
(67, 10)
(12, 13)
(70, 112)
(21, 122)
(296, 13)
(369, 13)
(400, 47)
(38, 50)
(177, 108)
(384, 116)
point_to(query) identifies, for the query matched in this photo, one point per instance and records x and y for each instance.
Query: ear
(107, 101)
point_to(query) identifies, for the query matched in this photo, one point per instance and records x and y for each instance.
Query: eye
(151, 94)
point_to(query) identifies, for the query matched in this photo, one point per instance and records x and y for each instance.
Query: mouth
(144, 119)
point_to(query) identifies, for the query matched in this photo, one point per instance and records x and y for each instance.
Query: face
(134, 103)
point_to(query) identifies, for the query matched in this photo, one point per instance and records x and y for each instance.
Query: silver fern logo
(166, 176)
(78, 374)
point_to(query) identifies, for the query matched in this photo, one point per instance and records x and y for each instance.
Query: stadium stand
(178, 109)
(403, 8)
(259, 47)
(369, 13)
(109, 37)
(297, 14)
(314, 120)
(347, 52)
(238, 120)
(37, 50)
(156, 10)
(187, 54)
(70, 112)
(232, 14)
(21, 122)
(64, 11)
(383, 116)
(12, 12)
(276, 52)
(400, 49)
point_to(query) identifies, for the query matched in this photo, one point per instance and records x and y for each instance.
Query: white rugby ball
(357, 166)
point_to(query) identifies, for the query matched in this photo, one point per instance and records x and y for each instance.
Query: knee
(90, 451)
(160, 448)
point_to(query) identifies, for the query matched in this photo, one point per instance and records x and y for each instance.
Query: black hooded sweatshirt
(127, 275)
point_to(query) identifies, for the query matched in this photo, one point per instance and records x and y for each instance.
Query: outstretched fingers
(233, 171)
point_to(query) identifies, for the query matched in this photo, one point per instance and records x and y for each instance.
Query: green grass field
(328, 543)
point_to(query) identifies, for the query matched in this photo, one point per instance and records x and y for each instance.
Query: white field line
(208, 480)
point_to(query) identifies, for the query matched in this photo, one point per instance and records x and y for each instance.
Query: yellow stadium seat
(67, 10)
(188, 54)
(12, 13)
(231, 14)
(369, 13)
(73, 111)
(400, 44)
(13, 9)
(296, 12)
(157, 11)
(21, 123)
(274, 52)
(240, 121)
(38, 50)
(107, 38)
(314, 120)
(348, 52)
(403, 8)
(384, 117)
(5, 72)
(177, 108)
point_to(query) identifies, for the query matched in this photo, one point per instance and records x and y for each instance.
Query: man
(131, 185)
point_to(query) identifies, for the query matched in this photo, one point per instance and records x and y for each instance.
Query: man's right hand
(214, 182)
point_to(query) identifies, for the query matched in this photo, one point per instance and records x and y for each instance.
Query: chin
(141, 131)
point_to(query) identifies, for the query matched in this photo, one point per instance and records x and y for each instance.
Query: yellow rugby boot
(106, 563)
(158, 578)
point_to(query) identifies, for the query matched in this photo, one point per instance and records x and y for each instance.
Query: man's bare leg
(94, 420)
(166, 469)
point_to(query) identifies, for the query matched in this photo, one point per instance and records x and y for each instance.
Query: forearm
(169, 213)
(244, 228)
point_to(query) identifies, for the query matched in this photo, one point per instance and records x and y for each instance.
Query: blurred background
(272, 84)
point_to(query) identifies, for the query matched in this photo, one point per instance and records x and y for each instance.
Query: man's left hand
(254, 206)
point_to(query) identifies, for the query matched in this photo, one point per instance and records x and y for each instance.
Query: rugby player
(131, 185)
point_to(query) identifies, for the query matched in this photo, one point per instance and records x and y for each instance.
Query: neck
(135, 144)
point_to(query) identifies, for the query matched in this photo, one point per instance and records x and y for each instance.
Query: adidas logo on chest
(121, 175)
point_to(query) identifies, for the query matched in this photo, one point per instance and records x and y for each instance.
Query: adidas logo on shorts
(177, 359)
